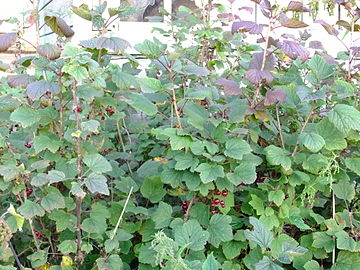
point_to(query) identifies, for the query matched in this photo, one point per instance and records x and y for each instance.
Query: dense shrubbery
(226, 155)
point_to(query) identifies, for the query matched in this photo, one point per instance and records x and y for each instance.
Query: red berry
(109, 110)
(212, 205)
(217, 201)
(184, 207)
(78, 109)
(106, 150)
(98, 195)
(218, 192)
(223, 205)
(37, 234)
(222, 202)
(27, 145)
(213, 212)
(224, 193)
(184, 203)
(29, 191)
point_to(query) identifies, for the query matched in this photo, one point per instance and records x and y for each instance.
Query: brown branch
(187, 213)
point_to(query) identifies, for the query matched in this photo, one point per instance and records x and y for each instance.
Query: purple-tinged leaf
(329, 28)
(50, 51)
(59, 26)
(338, 1)
(273, 97)
(229, 87)
(37, 89)
(20, 80)
(113, 43)
(7, 40)
(231, 1)
(315, 44)
(344, 24)
(257, 76)
(294, 23)
(297, 7)
(328, 58)
(293, 50)
(228, 16)
(192, 69)
(247, 26)
(257, 60)
(248, 9)
(256, 1)
(355, 50)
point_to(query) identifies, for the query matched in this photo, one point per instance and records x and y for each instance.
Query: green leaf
(113, 262)
(55, 176)
(353, 164)
(209, 172)
(149, 48)
(193, 69)
(94, 225)
(9, 172)
(90, 126)
(67, 246)
(97, 163)
(210, 263)
(236, 148)
(267, 264)
(244, 173)
(220, 229)
(322, 240)
(277, 196)
(320, 67)
(141, 103)
(150, 85)
(197, 115)
(260, 235)
(257, 204)
(191, 235)
(38, 258)
(233, 249)
(343, 89)
(299, 178)
(59, 26)
(31, 209)
(312, 265)
(312, 141)
(63, 220)
(345, 242)
(315, 163)
(344, 190)
(97, 183)
(345, 118)
(54, 200)
(26, 116)
(111, 245)
(78, 72)
(43, 142)
(334, 140)
(162, 215)
(185, 161)
(347, 260)
(278, 156)
(152, 189)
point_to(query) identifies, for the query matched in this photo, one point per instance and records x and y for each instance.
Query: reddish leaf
(328, 58)
(20, 80)
(230, 87)
(297, 7)
(329, 28)
(7, 40)
(37, 89)
(113, 43)
(344, 24)
(59, 26)
(247, 26)
(317, 45)
(293, 50)
(294, 23)
(273, 97)
(257, 59)
(248, 9)
(49, 51)
(257, 76)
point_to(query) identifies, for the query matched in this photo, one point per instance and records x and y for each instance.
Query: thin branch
(187, 213)
(44, 6)
(20, 266)
(123, 145)
(122, 213)
(279, 126)
(31, 44)
(302, 130)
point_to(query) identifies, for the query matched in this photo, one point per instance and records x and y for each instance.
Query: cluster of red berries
(216, 202)
(38, 235)
(184, 205)
(27, 145)
(110, 111)
(29, 191)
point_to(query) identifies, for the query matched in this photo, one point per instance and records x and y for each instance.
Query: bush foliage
(220, 154)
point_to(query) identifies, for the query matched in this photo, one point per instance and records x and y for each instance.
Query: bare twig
(16, 257)
(187, 213)
(123, 145)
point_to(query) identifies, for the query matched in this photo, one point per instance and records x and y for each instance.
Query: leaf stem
(302, 130)
(279, 126)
